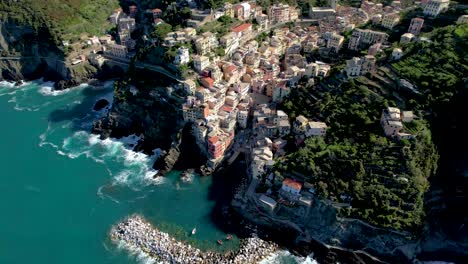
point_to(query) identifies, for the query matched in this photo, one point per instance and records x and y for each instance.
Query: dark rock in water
(100, 104)
(167, 162)
(19, 83)
(65, 84)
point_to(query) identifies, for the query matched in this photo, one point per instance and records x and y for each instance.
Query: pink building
(416, 25)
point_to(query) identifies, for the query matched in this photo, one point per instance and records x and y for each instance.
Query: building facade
(416, 26)
(435, 7)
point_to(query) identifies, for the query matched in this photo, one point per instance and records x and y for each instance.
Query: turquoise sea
(61, 188)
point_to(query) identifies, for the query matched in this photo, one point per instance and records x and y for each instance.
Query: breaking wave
(285, 257)
(126, 166)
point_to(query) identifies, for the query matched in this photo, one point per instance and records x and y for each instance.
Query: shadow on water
(75, 113)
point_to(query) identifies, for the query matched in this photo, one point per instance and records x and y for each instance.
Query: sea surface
(62, 188)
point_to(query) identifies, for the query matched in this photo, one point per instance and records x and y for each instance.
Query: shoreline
(136, 232)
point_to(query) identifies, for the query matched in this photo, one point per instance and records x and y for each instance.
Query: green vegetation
(221, 26)
(438, 68)
(386, 179)
(161, 31)
(64, 19)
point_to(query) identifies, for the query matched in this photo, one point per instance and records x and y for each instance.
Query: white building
(127, 24)
(116, 50)
(397, 53)
(435, 7)
(242, 117)
(182, 56)
(360, 66)
(267, 202)
(206, 43)
(321, 12)
(200, 63)
(462, 19)
(229, 42)
(406, 38)
(391, 121)
(316, 129)
(362, 37)
(300, 125)
(189, 86)
(390, 20)
(335, 42)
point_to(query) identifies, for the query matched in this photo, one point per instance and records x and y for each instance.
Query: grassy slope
(65, 18)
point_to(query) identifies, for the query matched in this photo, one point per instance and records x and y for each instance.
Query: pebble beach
(136, 232)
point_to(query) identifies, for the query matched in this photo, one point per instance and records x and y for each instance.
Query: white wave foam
(10, 88)
(286, 257)
(134, 169)
(141, 256)
(47, 89)
(7, 84)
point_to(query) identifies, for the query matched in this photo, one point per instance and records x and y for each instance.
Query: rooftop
(292, 184)
(241, 28)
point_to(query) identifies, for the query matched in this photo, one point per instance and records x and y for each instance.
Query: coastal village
(234, 81)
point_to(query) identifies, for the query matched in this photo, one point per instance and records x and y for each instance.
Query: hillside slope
(34, 31)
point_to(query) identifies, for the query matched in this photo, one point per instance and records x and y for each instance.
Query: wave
(125, 166)
(141, 256)
(47, 89)
(285, 257)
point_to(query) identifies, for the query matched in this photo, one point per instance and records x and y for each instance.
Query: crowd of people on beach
(135, 231)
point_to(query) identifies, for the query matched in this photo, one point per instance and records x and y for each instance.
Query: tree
(161, 31)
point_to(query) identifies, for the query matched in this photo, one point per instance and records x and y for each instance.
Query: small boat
(194, 231)
(228, 237)
(220, 242)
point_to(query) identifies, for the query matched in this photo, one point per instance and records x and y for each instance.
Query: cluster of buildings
(125, 26)
(230, 91)
(392, 120)
(249, 10)
(386, 16)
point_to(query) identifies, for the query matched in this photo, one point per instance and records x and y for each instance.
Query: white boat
(194, 231)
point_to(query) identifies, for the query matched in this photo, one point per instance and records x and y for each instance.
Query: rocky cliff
(148, 108)
(28, 53)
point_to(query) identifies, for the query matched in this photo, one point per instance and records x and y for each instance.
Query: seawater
(62, 188)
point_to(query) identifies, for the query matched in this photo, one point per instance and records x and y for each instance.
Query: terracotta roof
(208, 81)
(226, 108)
(156, 10)
(231, 68)
(293, 184)
(241, 28)
(213, 140)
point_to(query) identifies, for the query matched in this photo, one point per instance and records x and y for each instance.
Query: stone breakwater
(135, 231)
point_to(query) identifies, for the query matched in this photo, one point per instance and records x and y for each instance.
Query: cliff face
(148, 109)
(28, 53)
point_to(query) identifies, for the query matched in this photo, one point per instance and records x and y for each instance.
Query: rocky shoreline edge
(136, 232)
